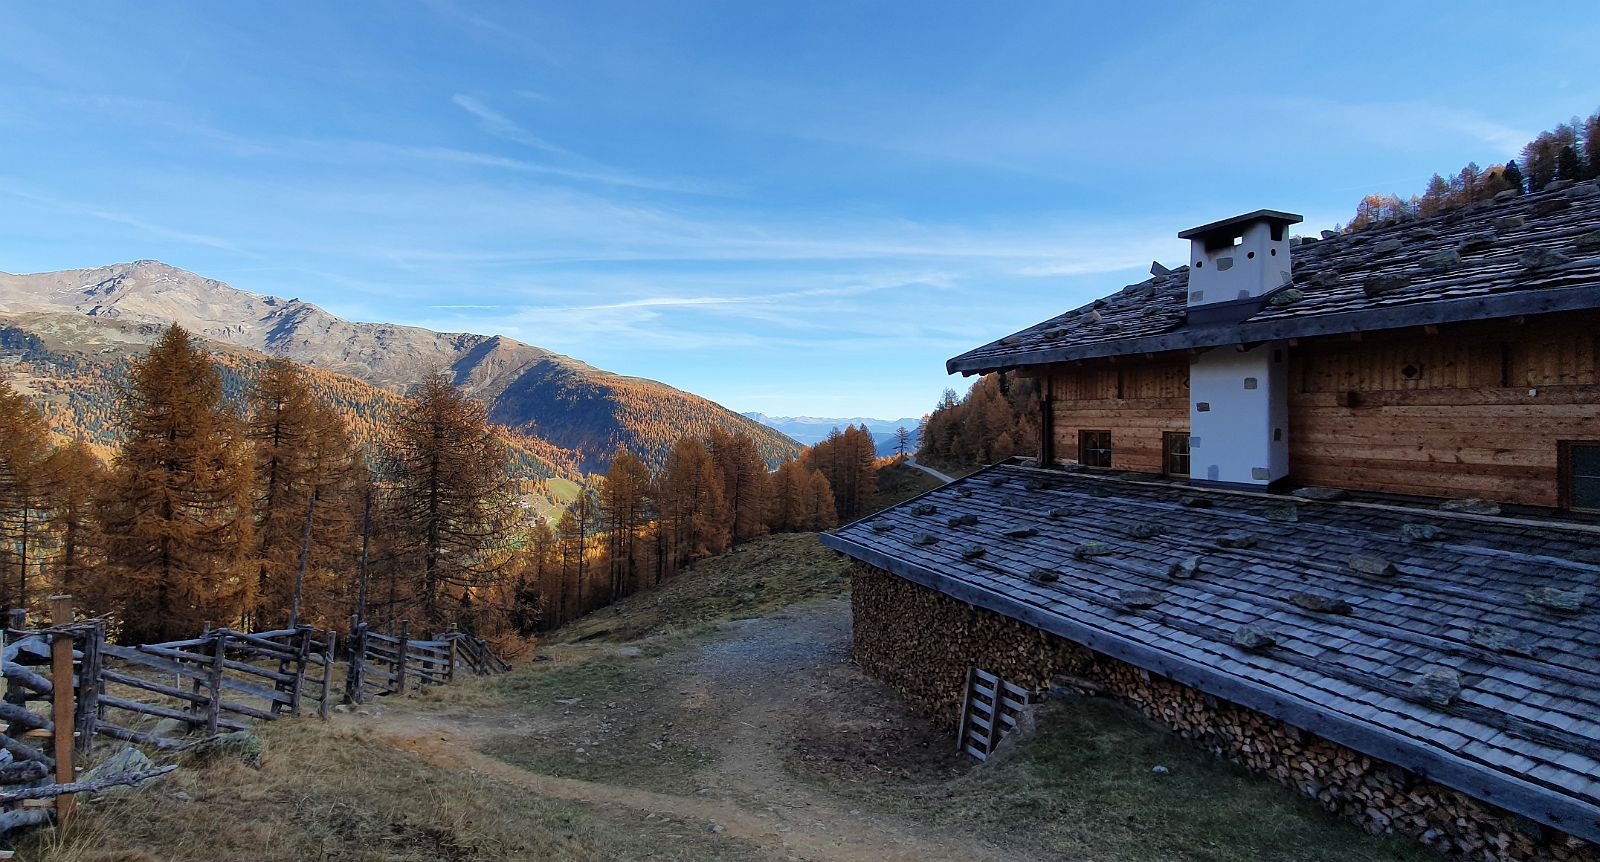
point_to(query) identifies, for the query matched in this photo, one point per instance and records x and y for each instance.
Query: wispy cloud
(498, 124)
(109, 215)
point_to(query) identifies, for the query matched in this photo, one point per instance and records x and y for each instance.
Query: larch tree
(902, 440)
(746, 485)
(624, 497)
(176, 515)
(451, 513)
(692, 510)
(74, 479)
(24, 446)
(847, 459)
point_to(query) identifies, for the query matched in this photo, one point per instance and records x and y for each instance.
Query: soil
(742, 707)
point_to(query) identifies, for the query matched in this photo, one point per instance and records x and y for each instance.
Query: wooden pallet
(990, 708)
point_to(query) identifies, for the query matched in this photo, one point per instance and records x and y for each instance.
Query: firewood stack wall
(921, 642)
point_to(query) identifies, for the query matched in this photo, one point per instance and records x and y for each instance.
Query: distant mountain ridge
(536, 392)
(812, 430)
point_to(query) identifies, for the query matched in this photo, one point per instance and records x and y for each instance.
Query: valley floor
(719, 718)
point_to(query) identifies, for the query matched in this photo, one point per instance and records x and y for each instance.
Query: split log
(25, 817)
(22, 771)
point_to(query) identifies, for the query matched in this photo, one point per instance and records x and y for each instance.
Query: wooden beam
(62, 703)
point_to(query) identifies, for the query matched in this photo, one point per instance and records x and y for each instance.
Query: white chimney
(1238, 395)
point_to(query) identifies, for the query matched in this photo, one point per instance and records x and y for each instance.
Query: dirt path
(758, 678)
(930, 471)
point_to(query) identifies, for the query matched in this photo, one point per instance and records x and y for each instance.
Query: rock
(1236, 540)
(1023, 533)
(1320, 494)
(1061, 514)
(1556, 185)
(1184, 569)
(1476, 242)
(1320, 603)
(1420, 532)
(1283, 514)
(125, 762)
(1541, 258)
(568, 701)
(1551, 206)
(1158, 769)
(240, 744)
(635, 652)
(1388, 246)
(1502, 640)
(1589, 242)
(963, 521)
(1505, 195)
(1560, 601)
(1144, 530)
(1442, 261)
(1375, 567)
(927, 539)
(1135, 599)
(1471, 506)
(170, 728)
(1044, 576)
(1387, 282)
(1012, 339)
(882, 527)
(1194, 502)
(1583, 190)
(973, 552)
(343, 708)
(1092, 549)
(1287, 296)
(1438, 686)
(1253, 637)
(1509, 222)
(717, 829)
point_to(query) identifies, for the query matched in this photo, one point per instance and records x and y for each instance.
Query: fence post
(354, 677)
(400, 661)
(327, 672)
(302, 650)
(450, 676)
(89, 683)
(214, 682)
(61, 698)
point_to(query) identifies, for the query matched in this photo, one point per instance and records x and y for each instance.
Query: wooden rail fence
(220, 681)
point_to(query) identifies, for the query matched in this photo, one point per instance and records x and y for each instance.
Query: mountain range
(812, 430)
(556, 402)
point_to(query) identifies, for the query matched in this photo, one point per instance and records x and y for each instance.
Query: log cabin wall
(921, 643)
(1137, 401)
(1472, 411)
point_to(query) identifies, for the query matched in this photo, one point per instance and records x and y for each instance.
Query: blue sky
(798, 208)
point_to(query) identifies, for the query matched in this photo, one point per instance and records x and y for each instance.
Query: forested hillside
(76, 369)
(568, 403)
(996, 419)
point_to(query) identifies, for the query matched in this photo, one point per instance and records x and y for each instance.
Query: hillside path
(763, 676)
(930, 471)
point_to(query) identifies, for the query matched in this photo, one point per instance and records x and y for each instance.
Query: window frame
(1084, 447)
(1565, 465)
(1167, 439)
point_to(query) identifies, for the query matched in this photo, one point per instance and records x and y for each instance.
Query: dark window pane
(1176, 449)
(1583, 476)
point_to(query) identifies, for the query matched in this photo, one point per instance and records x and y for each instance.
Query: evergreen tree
(1513, 175)
(451, 513)
(1568, 166)
(24, 445)
(176, 516)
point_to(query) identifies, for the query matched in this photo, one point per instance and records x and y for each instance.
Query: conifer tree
(847, 459)
(821, 511)
(1568, 166)
(451, 514)
(24, 445)
(1513, 175)
(623, 499)
(902, 440)
(74, 479)
(572, 548)
(176, 516)
(746, 485)
(693, 512)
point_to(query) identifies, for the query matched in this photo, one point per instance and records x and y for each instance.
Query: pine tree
(24, 445)
(176, 515)
(1568, 166)
(451, 514)
(1513, 175)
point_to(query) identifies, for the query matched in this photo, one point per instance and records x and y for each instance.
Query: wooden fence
(219, 681)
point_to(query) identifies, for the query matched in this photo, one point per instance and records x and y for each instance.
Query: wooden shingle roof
(1532, 254)
(1465, 648)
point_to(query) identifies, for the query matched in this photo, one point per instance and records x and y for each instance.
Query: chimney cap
(1230, 226)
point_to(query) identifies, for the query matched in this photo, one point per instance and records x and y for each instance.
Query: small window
(1580, 474)
(1094, 448)
(1175, 453)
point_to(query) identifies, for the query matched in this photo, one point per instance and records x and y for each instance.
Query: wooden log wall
(1136, 400)
(1469, 411)
(922, 642)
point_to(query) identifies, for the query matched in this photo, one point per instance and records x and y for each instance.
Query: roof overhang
(1399, 316)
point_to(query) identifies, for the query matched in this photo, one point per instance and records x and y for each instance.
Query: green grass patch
(1084, 787)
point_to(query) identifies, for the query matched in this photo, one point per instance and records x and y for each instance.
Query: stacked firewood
(921, 642)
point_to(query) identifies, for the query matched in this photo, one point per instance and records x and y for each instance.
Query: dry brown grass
(329, 791)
